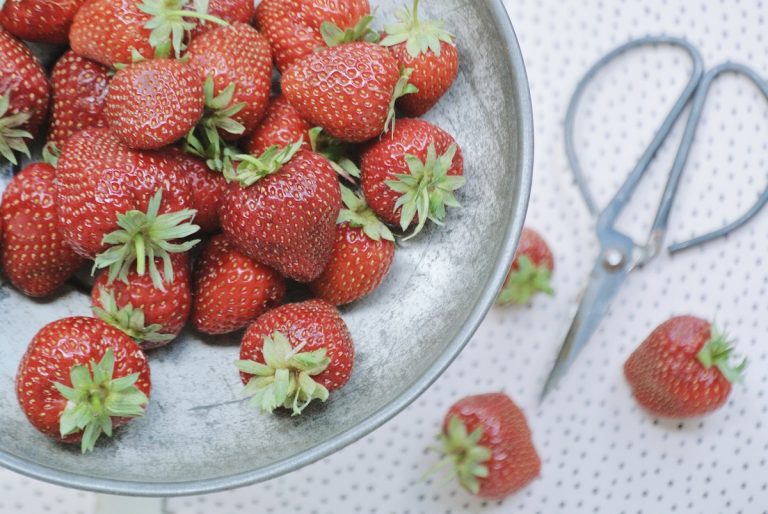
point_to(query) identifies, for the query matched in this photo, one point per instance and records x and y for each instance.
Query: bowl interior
(198, 433)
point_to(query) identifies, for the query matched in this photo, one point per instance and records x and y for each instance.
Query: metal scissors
(620, 254)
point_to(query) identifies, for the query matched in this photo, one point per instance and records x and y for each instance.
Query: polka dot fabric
(601, 454)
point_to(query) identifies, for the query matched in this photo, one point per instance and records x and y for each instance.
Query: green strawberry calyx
(168, 21)
(12, 135)
(95, 397)
(717, 352)
(402, 88)
(427, 190)
(205, 139)
(336, 152)
(144, 237)
(128, 319)
(51, 154)
(362, 31)
(250, 169)
(524, 282)
(359, 215)
(465, 454)
(419, 36)
(285, 377)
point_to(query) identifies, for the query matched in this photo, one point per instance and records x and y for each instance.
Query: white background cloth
(600, 453)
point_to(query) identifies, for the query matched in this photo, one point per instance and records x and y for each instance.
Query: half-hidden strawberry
(231, 11)
(295, 354)
(531, 270)
(281, 126)
(46, 21)
(207, 186)
(81, 378)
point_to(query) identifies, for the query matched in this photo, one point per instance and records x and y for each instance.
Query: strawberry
(411, 176)
(349, 90)
(81, 378)
(208, 189)
(293, 27)
(35, 256)
(295, 354)
(362, 255)
(231, 290)
(530, 272)
(682, 369)
(429, 51)
(281, 126)
(112, 32)
(79, 94)
(24, 95)
(151, 316)
(47, 21)
(153, 103)
(281, 210)
(487, 439)
(231, 11)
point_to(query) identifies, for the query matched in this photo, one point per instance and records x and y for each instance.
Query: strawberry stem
(128, 319)
(402, 88)
(359, 215)
(11, 134)
(168, 22)
(419, 37)
(336, 152)
(465, 454)
(334, 36)
(251, 169)
(525, 282)
(717, 352)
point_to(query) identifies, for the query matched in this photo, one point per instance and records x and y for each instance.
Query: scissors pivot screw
(613, 259)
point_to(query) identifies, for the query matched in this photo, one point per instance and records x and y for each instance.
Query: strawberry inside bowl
(197, 434)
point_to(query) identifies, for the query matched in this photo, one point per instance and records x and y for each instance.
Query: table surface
(600, 452)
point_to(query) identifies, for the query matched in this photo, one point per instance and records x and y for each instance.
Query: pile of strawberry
(164, 137)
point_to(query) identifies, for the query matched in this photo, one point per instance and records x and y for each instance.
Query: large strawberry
(682, 369)
(24, 94)
(281, 210)
(81, 378)
(530, 272)
(362, 255)
(151, 104)
(349, 90)
(39, 20)
(231, 11)
(231, 290)
(79, 94)
(281, 126)
(411, 176)
(295, 354)
(487, 439)
(208, 189)
(35, 256)
(151, 316)
(428, 51)
(293, 27)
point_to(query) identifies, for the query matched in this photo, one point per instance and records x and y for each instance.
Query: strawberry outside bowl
(198, 434)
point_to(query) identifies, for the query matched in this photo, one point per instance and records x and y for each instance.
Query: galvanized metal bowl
(198, 435)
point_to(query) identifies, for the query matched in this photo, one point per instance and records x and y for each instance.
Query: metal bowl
(198, 435)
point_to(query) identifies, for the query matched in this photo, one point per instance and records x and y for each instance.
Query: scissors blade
(603, 286)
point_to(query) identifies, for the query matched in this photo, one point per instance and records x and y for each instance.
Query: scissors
(620, 254)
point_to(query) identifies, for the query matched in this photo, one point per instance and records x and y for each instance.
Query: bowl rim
(525, 173)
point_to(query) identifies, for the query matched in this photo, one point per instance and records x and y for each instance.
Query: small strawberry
(152, 104)
(281, 126)
(281, 210)
(487, 439)
(81, 378)
(151, 316)
(24, 95)
(295, 354)
(411, 176)
(208, 189)
(349, 90)
(231, 290)
(231, 11)
(426, 49)
(530, 272)
(294, 27)
(47, 21)
(361, 258)
(79, 94)
(35, 256)
(682, 369)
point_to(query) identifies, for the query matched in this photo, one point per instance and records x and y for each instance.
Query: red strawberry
(530, 272)
(39, 20)
(396, 171)
(361, 258)
(81, 378)
(79, 94)
(281, 126)
(208, 189)
(231, 290)
(295, 354)
(426, 49)
(34, 255)
(349, 90)
(24, 95)
(281, 210)
(293, 26)
(487, 439)
(231, 11)
(682, 369)
(151, 316)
